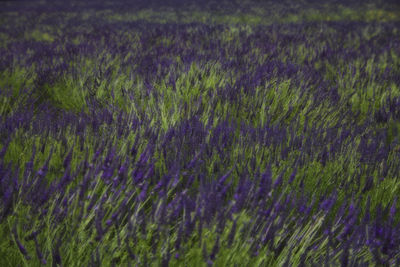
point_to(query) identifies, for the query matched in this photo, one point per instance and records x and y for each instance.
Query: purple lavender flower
(56, 253)
(224, 177)
(393, 209)
(369, 184)
(292, 175)
(344, 258)
(38, 252)
(327, 204)
(67, 160)
(179, 238)
(143, 193)
(279, 180)
(21, 248)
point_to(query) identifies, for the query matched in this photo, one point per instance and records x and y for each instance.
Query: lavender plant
(168, 134)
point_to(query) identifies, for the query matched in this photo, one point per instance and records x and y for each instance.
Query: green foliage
(291, 102)
(14, 85)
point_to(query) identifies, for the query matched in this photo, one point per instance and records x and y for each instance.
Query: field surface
(199, 133)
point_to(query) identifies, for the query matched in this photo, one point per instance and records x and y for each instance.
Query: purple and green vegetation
(136, 133)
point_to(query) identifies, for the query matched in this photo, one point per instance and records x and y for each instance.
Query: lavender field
(199, 133)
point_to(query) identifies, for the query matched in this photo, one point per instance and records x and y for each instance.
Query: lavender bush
(223, 134)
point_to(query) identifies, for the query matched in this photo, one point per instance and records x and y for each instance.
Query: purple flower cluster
(289, 135)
